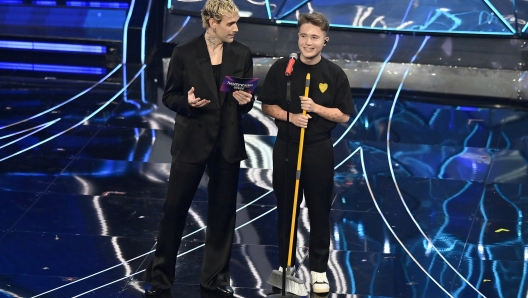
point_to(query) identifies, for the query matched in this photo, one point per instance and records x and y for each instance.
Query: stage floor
(436, 211)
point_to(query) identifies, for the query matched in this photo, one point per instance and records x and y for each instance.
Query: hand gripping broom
(288, 282)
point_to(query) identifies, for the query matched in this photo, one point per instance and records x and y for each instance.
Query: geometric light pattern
(488, 17)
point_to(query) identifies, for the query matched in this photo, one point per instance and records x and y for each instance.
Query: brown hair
(216, 9)
(315, 18)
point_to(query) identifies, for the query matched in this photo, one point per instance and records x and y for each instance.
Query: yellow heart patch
(323, 87)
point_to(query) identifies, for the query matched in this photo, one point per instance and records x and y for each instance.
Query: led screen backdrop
(493, 17)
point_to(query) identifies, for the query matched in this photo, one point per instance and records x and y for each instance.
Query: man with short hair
(329, 102)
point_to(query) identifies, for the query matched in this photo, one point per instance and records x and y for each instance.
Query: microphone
(291, 62)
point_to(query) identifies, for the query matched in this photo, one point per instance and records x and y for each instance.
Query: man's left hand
(242, 97)
(307, 104)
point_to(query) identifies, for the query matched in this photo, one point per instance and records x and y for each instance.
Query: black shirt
(216, 73)
(329, 87)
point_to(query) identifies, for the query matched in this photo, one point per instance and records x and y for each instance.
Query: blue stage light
(69, 69)
(16, 44)
(17, 66)
(69, 47)
(11, 2)
(53, 68)
(45, 2)
(125, 32)
(524, 28)
(144, 32)
(56, 47)
(122, 5)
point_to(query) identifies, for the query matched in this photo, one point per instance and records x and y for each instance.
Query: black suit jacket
(197, 130)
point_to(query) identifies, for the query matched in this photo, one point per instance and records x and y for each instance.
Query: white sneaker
(319, 282)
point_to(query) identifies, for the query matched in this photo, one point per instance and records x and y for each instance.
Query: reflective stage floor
(436, 211)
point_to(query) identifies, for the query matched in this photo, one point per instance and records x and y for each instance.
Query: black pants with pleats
(222, 192)
(317, 184)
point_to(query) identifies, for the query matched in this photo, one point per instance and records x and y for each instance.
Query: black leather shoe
(152, 291)
(224, 291)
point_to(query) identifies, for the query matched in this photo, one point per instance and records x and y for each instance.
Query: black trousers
(222, 192)
(317, 184)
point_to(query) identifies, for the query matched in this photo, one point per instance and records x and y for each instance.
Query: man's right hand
(300, 120)
(194, 101)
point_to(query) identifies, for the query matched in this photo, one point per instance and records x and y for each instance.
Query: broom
(291, 283)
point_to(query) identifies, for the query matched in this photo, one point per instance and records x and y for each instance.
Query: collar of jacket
(203, 61)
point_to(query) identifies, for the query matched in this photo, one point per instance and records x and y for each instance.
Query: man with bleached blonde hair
(207, 137)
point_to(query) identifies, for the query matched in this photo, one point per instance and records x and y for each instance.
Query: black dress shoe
(152, 291)
(224, 291)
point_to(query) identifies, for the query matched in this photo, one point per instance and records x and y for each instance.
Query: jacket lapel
(229, 60)
(203, 61)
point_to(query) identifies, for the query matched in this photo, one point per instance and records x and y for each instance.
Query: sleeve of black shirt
(344, 101)
(269, 92)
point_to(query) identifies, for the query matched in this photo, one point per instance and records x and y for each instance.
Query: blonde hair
(216, 9)
(315, 18)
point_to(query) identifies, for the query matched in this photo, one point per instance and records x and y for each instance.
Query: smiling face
(226, 29)
(311, 42)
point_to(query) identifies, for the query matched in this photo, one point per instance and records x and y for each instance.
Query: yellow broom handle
(297, 176)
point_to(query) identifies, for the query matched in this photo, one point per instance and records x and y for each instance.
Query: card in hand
(232, 84)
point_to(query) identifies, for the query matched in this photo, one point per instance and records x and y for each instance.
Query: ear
(326, 40)
(211, 22)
